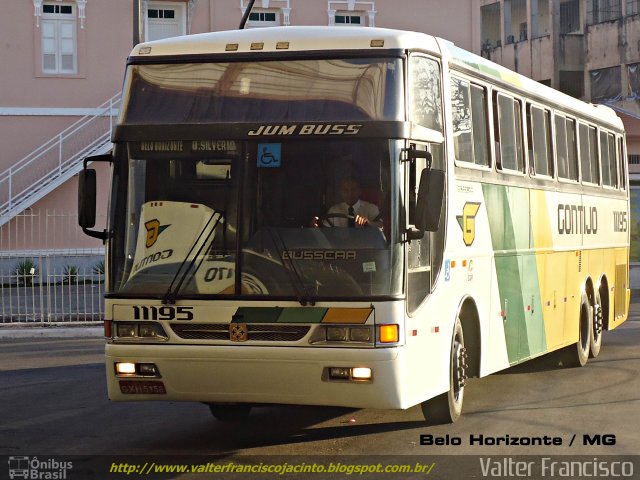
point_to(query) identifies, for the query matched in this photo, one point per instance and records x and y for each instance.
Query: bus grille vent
(260, 333)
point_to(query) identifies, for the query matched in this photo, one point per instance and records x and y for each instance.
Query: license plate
(129, 387)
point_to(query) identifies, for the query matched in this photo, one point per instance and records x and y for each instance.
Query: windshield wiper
(292, 272)
(170, 297)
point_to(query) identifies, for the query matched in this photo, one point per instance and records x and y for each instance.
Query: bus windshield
(302, 219)
(356, 89)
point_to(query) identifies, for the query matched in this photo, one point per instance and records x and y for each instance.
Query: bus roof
(485, 67)
(324, 38)
(291, 39)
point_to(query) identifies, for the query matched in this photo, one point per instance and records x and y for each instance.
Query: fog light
(389, 334)
(337, 334)
(147, 369)
(342, 373)
(125, 368)
(361, 373)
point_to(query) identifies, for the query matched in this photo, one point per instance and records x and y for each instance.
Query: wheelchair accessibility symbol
(269, 155)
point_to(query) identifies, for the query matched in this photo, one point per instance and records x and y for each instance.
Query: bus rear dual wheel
(447, 407)
(590, 333)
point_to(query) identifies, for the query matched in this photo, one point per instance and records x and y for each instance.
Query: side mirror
(429, 203)
(87, 194)
(87, 199)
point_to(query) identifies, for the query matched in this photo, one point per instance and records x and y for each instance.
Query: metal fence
(48, 271)
(67, 295)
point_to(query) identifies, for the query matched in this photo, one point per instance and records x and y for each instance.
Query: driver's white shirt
(363, 208)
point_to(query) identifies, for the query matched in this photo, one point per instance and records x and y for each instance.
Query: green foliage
(98, 268)
(70, 274)
(25, 270)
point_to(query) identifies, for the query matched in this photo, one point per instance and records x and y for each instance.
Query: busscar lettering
(306, 129)
(577, 220)
(319, 255)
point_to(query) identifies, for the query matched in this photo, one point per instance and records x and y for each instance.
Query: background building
(63, 63)
(589, 49)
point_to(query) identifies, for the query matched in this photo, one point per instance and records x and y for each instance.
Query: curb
(21, 331)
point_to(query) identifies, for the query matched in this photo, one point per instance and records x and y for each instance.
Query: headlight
(139, 331)
(360, 334)
(337, 334)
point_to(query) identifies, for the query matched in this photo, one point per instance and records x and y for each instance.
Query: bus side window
(607, 160)
(540, 141)
(562, 151)
(426, 96)
(585, 163)
(470, 133)
(572, 150)
(509, 123)
(622, 164)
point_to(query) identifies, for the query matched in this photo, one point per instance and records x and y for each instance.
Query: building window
(606, 85)
(349, 18)
(164, 20)
(161, 13)
(490, 26)
(633, 7)
(270, 13)
(263, 18)
(572, 83)
(59, 40)
(540, 18)
(352, 12)
(515, 20)
(570, 16)
(599, 11)
(633, 71)
(634, 159)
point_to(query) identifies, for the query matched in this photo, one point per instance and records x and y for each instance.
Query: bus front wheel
(230, 412)
(447, 407)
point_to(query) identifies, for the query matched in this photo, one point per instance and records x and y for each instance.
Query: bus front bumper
(257, 375)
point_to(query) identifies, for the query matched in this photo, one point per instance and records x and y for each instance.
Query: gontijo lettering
(577, 219)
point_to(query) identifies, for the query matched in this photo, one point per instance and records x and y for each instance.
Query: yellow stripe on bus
(347, 315)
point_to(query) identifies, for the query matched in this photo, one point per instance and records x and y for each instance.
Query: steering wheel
(325, 220)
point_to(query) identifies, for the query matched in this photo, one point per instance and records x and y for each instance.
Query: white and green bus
(501, 230)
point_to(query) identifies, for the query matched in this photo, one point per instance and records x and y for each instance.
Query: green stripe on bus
(516, 270)
(279, 315)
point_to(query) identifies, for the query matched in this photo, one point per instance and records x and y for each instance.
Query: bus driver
(352, 211)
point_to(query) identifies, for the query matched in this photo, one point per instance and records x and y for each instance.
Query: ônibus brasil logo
(37, 469)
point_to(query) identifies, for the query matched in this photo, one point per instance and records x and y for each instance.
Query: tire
(447, 407)
(577, 355)
(230, 412)
(597, 326)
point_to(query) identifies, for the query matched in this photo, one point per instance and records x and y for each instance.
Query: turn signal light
(389, 333)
